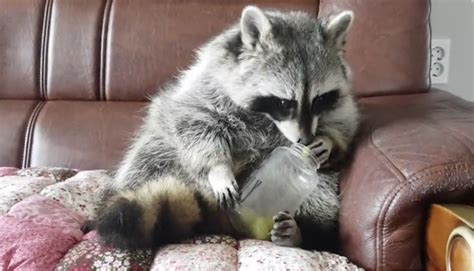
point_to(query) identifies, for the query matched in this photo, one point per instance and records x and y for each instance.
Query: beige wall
(454, 19)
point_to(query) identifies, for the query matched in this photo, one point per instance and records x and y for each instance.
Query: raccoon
(270, 80)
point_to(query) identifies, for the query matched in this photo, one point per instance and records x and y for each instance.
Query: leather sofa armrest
(413, 150)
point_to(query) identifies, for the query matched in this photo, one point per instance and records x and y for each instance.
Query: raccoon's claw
(228, 199)
(322, 148)
(224, 186)
(285, 231)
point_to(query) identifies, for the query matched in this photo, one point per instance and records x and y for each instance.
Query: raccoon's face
(291, 68)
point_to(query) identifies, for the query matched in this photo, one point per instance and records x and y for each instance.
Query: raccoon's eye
(285, 104)
(278, 109)
(325, 102)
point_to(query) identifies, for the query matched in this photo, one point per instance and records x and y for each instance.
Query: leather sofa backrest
(74, 74)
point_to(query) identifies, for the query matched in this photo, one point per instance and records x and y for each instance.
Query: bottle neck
(305, 154)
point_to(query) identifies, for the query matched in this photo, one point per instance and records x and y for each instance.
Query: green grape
(261, 228)
(258, 227)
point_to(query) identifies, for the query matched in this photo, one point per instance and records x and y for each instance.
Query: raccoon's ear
(336, 28)
(254, 25)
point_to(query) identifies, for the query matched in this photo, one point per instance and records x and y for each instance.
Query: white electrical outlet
(440, 61)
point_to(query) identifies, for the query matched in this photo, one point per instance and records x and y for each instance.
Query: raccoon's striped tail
(158, 212)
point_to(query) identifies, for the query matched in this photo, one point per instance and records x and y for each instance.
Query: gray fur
(201, 129)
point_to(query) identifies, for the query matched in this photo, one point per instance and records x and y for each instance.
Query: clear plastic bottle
(281, 183)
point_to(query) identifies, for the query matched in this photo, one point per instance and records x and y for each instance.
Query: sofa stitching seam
(26, 160)
(25, 131)
(45, 32)
(382, 156)
(430, 37)
(401, 186)
(103, 49)
(386, 161)
(378, 240)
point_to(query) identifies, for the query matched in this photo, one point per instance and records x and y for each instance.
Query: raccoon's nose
(305, 140)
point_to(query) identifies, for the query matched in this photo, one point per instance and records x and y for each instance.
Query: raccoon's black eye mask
(325, 102)
(278, 109)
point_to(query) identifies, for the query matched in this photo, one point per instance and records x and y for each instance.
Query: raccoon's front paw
(322, 148)
(224, 186)
(285, 231)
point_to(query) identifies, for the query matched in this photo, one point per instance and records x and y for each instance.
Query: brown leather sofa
(74, 76)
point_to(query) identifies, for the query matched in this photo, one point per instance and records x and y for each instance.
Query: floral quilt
(42, 210)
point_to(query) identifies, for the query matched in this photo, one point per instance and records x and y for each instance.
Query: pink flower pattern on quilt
(91, 254)
(36, 233)
(212, 239)
(8, 171)
(58, 174)
(80, 193)
(13, 189)
(44, 209)
(264, 255)
(196, 257)
(26, 245)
